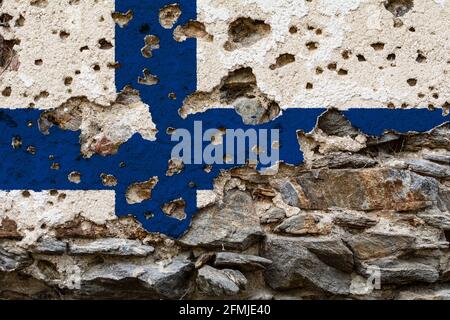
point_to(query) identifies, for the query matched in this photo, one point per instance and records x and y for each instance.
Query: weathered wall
(318, 230)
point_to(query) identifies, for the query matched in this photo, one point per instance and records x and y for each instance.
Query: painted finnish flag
(264, 53)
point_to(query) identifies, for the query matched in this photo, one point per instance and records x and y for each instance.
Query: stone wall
(364, 217)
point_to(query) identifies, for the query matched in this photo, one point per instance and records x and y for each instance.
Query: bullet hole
(346, 54)
(420, 57)
(192, 29)
(6, 92)
(390, 105)
(319, 70)
(5, 19)
(31, 150)
(412, 82)
(176, 166)
(435, 95)
(151, 43)
(53, 193)
(293, 30)
(74, 177)
(29, 124)
(148, 79)
(62, 197)
(148, 215)
(145, 28)
(361, 58)
(312, 45)
(192, 184)
(108, 180)
(64, 34)
(404, 105)
(41, 95)
(113, 65)
(77, 72)
(85, 48)
(431, 107)
(391, 57)
(412, 29)
(170, 130)
(175, 209)
(39, 3)
(377, 46)
(104, 44)
(26, 194)
(421, 95)
(8, 56)
(319, 32)
(16, 142)
(68, 81)
(310, 28)
(245, 32)
(122, 19)
(309, 86)
(332, 66)
(399, 7)
(140, 191)
(342, 72)
(122, 165)
(38, 62)
(172, 96)
(283, 60)
(208, 168)
(20, 21)
(96, 67)
(55, 166)
(398, 23)
(169, 15)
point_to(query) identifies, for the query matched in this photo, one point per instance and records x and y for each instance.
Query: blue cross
(175, 65)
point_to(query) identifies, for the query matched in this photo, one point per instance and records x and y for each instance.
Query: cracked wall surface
(317, 229)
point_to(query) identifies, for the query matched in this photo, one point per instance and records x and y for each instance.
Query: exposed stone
(8, 229)
(13, 258)
(140, 191)
(339, 160)
(437, 219)
(331, 250)
(375, 245)
(213, 282)
(303, 224)
(175, 209)
(47, 245)
(80, 228)
(168, 15)
(402, 272)
(113, 246)
(244, 262)
(289, 194)
(439, 158)
(428, 168)
(354, 221)
(154, 280)
(273, 215)
(294, 266)
(233, 224)
(237, 277)
(366, 190)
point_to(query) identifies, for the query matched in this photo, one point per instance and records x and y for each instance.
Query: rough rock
(214, 282)
(402, 272)
(366, 190)
(8, 229)
(152, 279)
(428, 168)
(245, 262)
(13, 258)
(273, 215)
(294, 266)
(231, 225)
(112, 246)
(49, 245)
(354, 221)
(338, 160)
(378, 244)
(439, 158)
(303, 224)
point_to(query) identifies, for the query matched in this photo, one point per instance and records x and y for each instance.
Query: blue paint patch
(175, 65)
